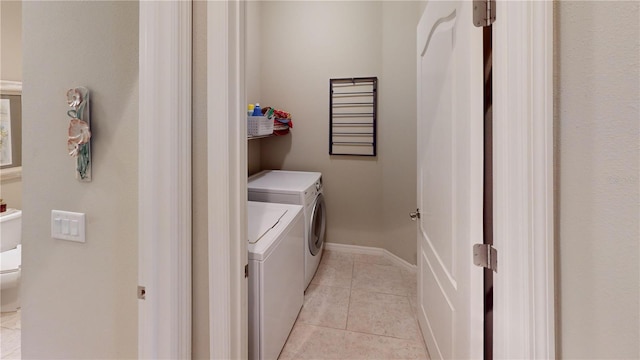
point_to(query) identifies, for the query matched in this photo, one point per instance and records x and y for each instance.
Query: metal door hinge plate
(484, 255)
(142, 292)
(246, 271)
(484, 12)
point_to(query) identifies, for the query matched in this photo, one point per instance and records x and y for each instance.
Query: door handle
(415, 215)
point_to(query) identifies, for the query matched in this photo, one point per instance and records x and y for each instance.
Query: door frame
(524, 304)
(227, 179)
(524, 315)
(164, 180)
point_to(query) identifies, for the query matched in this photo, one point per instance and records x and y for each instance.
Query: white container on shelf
(259, 126)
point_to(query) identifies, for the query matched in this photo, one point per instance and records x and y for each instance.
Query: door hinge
(246, 271)
(484, 12)
(142, 292)
(486, 256)
(415, 215)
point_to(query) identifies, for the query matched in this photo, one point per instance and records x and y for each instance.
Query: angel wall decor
(79, 144)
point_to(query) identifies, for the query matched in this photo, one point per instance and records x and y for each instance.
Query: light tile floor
(357, 307)
(10, 335)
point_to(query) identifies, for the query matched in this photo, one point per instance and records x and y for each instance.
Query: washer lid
(268, 241)
(261, 220)
(278, 180)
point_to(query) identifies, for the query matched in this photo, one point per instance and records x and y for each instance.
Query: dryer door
(318, 225)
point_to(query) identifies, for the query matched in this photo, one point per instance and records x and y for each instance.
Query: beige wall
(11, 40)
(79, 300)
(597, 188)
(253, 75)
(398, 126)
(422, 4)
(346, 39)
(11, 69)
(253, 51)
(200, 244)
(254, 156)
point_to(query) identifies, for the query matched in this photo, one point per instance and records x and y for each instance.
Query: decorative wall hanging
(5, 133)
(79, 144)
(353, 104)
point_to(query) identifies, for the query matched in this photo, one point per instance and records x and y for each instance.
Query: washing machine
(299, 188)
(275, 234)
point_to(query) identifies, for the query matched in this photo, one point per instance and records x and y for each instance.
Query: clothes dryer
(298, 188)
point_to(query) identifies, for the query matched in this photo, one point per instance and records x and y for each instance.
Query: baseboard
(367, 250)
(399, 261)
(354, 249)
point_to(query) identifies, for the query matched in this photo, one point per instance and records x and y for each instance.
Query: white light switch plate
(66, 225)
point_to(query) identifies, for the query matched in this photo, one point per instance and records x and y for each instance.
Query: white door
(450, 138)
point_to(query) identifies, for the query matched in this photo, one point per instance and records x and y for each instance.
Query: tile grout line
(364, 333)
(386, 336)
(298, 320)
(346, 326)
(382, 293)
(375, 292)
(361, 332)
(407, 295)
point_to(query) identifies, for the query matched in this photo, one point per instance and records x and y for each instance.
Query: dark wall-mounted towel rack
(353, 107)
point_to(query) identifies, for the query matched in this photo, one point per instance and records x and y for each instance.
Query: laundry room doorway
(228, 166)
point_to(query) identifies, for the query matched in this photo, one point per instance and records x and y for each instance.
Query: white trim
(542, 184)
(353, 249)
(366, 250)
(227, 180)
(399, 261)
(10, 87)
(523, 175)
(11, 174)
(164, 181)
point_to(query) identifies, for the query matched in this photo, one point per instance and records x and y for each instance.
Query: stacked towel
(281, 120)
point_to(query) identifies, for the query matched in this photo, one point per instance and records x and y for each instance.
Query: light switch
(66, 225)
(74, 227)
(57, 226)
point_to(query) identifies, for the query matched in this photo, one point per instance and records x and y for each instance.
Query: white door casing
(164, 180)
(524, 315)
(450, 139)
(227, 180)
